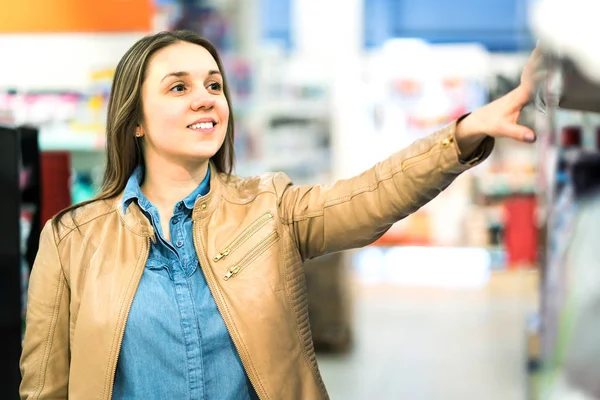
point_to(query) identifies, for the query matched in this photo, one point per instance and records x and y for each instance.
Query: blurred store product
(571, 29)
(520, 232)
(570, 145)
(56, 178)
(82, 187)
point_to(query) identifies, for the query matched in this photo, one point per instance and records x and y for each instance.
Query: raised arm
(355, 212)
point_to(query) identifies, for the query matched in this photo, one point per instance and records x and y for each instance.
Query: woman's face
(185, 109)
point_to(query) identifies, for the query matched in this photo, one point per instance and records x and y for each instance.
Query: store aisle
(433, 344)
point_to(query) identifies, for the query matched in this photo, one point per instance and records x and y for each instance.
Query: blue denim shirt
(176, 345)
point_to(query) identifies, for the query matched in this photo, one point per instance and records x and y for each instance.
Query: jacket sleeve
(45, 357)
(355, 212)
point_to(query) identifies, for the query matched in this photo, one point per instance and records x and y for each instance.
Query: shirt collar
(202, 189)
(133, 191)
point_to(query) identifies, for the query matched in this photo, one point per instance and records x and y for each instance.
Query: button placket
(178, 228)
(177, 233)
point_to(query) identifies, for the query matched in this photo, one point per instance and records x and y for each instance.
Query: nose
(202, 100)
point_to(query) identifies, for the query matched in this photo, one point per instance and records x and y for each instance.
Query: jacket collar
(133, 192)
(134, 219)
(207, 204)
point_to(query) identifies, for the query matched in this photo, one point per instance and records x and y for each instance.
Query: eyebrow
(180, 74)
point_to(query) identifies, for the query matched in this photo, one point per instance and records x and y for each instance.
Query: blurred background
(488, 292)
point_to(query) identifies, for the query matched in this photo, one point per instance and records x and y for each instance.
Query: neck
(166, 183)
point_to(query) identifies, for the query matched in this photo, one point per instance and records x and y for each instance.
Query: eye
(215, 87)
(178, 88)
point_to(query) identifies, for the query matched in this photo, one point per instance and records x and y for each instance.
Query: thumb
(518, 132)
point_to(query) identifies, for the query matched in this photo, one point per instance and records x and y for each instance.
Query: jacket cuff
(480, 154)
(450, 158)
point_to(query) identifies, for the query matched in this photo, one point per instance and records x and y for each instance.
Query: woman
(183, 281)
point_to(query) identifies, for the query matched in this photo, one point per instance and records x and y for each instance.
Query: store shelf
(506, 184)
(299, 108)
(69, 140)
(569, 291)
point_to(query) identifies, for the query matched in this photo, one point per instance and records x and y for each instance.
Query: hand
(499, 118)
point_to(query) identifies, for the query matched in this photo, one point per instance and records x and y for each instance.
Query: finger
(536, 53)
(535, 71)
(518, 132)
(529, 86)
(519, 98)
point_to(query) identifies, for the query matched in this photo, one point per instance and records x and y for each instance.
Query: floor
(436, 343)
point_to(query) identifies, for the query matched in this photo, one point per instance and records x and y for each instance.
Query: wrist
(468, 136)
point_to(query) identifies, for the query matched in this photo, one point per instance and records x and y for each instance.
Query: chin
(203, 153)
(199, 155)
(198, 150)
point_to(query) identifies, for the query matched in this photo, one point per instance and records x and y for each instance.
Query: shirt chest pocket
(255, 244)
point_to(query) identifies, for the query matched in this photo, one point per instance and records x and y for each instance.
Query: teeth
(202, 125)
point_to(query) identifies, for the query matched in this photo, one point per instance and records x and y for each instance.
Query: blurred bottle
(570, 144)
(560, 224)
(82, 188)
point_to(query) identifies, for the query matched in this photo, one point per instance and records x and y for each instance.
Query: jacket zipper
(210, 280)
(255, 252)
(122, 332)
(416, 159)
(256, 225)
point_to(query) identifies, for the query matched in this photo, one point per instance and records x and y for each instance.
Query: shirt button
(179, 206)
(174, 221)
(203, 206)
(179, 243)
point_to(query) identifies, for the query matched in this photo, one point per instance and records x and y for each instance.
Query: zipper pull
(232, 271)
(222, 254)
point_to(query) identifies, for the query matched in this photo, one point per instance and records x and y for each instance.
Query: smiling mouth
(202, 125)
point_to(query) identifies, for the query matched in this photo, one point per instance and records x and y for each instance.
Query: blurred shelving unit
(70, 140)
(565, 362)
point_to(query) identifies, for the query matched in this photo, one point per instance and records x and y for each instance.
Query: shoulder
(248, 188)
(81, 216)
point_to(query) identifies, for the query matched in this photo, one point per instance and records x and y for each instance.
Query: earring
(138, 134)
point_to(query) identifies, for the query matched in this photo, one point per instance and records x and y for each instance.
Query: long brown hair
(123, 151)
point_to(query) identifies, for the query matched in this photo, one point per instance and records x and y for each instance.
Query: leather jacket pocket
(244, 236)
(264, 243)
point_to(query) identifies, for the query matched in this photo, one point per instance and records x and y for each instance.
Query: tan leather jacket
(251, 236)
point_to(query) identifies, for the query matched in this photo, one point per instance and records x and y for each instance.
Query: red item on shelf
(571, 136)
(55, 170)
(520, 235)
